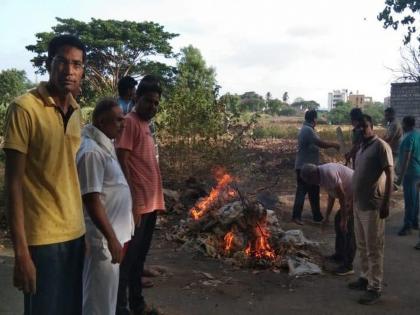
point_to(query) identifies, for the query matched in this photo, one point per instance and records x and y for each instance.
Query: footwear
(415, 227)
(359, 284)
(417, 246)
(370, 297)
(404, 231)
(298, 221)
(344, 271)
(151, 272)
(318, 220)
(146, 283)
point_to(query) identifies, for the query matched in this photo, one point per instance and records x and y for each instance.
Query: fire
(228, 241)
(261, 248)
(203, 205)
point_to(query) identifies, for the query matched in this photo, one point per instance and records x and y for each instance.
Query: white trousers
(100, 282)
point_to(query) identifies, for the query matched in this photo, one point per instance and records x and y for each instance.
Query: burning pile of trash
(230, 226)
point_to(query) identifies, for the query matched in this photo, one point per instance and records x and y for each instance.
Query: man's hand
(384, 210)
(137, 219)
(116, 250)
(336, 146)
(24, 275)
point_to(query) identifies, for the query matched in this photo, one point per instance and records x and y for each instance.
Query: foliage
(409, 70)
(285, 97)
(191, 110)
(287, 111)
(87, 114)
(376, 111)
(13, 83)
(275, 132)
(275, 106)
(3, 111)
(251, 101)
(231, 103)
(302, 104)
(340, 114)
(401, 13)
(114, 49)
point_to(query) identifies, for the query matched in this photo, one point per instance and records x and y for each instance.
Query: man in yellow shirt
(42, 136)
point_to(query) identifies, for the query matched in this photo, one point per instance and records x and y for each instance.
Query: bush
(276, 132)
(87, 114)
(3, 110)
(288, 111)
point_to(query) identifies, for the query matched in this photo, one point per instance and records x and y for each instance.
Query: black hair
(356, 114)
(63, 40)
(409, 121)
(367, 118)
(390, 110)
(103, 106)
(125, 84)
(311, 115)
(149, 83)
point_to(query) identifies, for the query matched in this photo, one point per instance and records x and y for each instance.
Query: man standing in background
(127, 93)
(42, 136)
(372, 187)
(393, 132)
(137, 155)
(309, 143)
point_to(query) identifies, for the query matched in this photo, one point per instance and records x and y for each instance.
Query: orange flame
(228, 241)
(261, 248)
(204, 204)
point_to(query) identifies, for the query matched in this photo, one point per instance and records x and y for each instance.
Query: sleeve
(126, 139)
(385, 156)
(408, 144)
(309, 136)
(91, 170)
(17, 130)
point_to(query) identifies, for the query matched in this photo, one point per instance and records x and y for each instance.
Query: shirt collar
(49, 101)
(91, 132)
(369, 142)
(305, 123)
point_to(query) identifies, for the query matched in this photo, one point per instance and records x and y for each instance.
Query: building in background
(359, 100)
(405, 100)
(336, 96)
(387, 101)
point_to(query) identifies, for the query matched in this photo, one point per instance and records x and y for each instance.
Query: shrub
(87, 114)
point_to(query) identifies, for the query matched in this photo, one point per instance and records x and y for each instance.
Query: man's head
(127, 88)
(310, 174)
(389, 114)
(366, 124)
(408, 123)
(108, 117)
(148, 96)
(65, 63)
(311, 116)
(355, 116)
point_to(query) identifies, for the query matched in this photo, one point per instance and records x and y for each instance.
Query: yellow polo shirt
(51, 194)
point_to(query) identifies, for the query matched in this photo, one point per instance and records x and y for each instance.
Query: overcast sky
(305, 47)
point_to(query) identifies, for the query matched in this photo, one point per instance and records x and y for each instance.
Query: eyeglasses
(61, 62)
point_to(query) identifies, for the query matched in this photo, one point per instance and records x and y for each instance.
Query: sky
(307, 48)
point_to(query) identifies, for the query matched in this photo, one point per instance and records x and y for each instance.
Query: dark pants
(345, 243)
(411, 201)
(313, 194)
(59, 269)
(131, 268)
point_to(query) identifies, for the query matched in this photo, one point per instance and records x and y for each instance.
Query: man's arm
(384, 209)
(330, 205)
(403, 166)
(123, 156)
(24, 272)
(345, 211)
(98, 215)
(326, 144)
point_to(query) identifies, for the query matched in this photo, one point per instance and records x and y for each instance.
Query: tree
(192, 110)
(114, 49)
(251, 101)
(13, 83)
(401, 12)
(231, 102)
(409, 70)
(303, 105)
(340, 113)
(274, 106)
(285, 97)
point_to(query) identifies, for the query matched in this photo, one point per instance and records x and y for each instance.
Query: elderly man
(309, 143)
(409, 174)
(337, 180)
(42, 136)
(372, 187)
(107, 204)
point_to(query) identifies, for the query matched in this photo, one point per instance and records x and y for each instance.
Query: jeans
(345, 243)
(411, 201)
(59, 269)
(131, 268)
(313, 194)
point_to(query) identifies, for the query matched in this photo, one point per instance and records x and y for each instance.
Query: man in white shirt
(107, 208)
(337, 180)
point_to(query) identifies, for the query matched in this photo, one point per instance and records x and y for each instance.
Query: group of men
(82, 204)
(363, 190)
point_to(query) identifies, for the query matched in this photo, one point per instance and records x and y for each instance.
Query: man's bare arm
(330, 205)
(25, 272)
(98, 215)
(404, 166)
(384, 209)
(326, 144)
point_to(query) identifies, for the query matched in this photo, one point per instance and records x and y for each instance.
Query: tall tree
(251, 101)
(409, 69)
(285, 97)
(192, 110)
(13, 82)
(401, 13)
(114, 49)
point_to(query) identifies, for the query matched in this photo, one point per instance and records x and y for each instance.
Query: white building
(335, 97)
